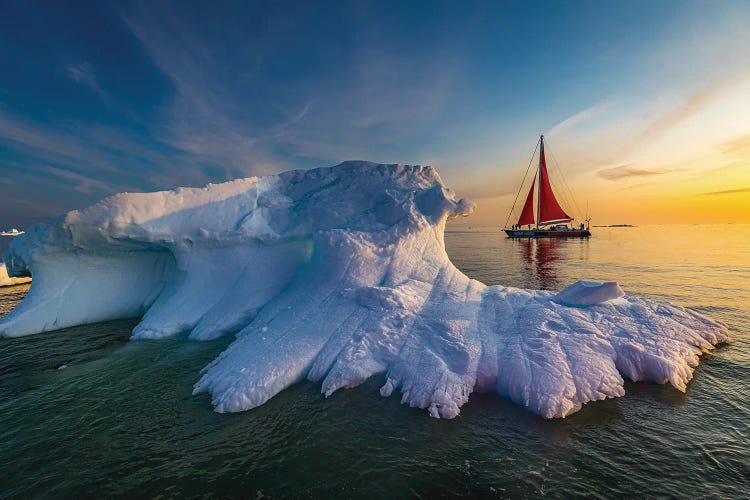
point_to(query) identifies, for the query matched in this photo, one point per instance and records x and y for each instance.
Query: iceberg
(6, 280)
(337, 275)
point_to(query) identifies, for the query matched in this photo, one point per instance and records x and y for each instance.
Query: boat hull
(547, 233)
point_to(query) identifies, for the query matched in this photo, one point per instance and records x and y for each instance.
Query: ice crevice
(337, 275)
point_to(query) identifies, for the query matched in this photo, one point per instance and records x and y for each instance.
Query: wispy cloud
(208, 129)
(361, 104)
(577, 119)
(96, 158)
(205, 118)
(730, 191)
(626, 171)
(693, 104)
(736, 144)
(83, 74)
(50, 144)
(81, 183)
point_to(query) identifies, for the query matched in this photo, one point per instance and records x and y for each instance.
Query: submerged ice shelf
(335, 275)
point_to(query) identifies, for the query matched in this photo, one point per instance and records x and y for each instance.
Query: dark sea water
(120, 420)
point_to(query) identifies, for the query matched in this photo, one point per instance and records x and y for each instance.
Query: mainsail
(550, 211)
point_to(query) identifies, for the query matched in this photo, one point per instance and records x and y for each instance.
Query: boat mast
(539, 181)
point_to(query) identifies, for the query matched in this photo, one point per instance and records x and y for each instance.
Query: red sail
(549, 209)
(527, 214)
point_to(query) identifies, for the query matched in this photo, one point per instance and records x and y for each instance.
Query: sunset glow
(646, 106)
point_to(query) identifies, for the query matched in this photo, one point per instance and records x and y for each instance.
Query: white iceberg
(335, 275)
(6, 280)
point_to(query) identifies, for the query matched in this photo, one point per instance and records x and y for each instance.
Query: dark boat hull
(547, 233)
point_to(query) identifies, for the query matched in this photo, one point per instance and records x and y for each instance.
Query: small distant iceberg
(6, 280)
(336, 275)
(11, 232)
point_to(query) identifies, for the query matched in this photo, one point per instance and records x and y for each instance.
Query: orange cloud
(735, 145)
(624, 171)
(730, 191)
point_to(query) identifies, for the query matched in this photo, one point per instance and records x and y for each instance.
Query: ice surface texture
(335, 275)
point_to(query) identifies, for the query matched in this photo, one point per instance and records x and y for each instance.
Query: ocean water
(119, 418)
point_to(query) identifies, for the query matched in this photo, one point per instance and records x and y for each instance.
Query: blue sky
(98, 97)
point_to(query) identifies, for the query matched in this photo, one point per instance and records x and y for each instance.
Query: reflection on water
(10, 296)
(541, 257)
(120, 420)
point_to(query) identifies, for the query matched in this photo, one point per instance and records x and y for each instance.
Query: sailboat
(551, 220)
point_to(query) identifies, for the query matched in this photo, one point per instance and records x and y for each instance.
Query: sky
(645, 106)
